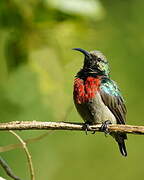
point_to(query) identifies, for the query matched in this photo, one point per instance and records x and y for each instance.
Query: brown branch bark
(38, 125)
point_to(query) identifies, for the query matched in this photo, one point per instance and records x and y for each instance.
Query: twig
(7, 169)
(38, 125)
(27, 141)
(31, 140)
(27, 154)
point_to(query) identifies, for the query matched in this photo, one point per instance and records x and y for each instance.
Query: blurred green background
(37, 68)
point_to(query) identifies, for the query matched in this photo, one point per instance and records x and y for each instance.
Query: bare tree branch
(27, 141)
(38, 125)
(29, 158)
(8, 170)
(31, 140)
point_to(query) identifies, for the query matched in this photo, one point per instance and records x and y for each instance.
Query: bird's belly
(95, 111)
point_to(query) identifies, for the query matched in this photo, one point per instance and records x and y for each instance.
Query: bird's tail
(122, 147)
(120, 138)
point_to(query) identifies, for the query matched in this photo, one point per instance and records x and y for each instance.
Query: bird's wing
(113, 100)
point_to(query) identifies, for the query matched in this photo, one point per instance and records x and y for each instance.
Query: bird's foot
(86, 127)
(104, 127)
(93, 132)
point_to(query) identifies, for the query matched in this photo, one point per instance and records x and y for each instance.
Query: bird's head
(94, 62)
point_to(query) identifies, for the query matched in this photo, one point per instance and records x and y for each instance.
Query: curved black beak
(86, 53)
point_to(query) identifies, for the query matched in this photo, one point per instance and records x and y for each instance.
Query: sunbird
(97, 97)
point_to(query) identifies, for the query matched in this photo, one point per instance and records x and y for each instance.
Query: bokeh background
(37, 68)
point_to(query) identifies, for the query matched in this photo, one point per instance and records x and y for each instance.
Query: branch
(29, 158)
(7, 169)
(27, 141)
(38, 125)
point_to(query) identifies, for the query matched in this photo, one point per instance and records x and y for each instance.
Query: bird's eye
(98, 59)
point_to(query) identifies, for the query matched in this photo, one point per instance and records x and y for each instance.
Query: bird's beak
(86, 53)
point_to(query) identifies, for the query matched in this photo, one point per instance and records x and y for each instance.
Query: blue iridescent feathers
(110, 87)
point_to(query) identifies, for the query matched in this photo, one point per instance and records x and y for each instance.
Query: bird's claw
(104, 127)
(87, 128)
(93, 132)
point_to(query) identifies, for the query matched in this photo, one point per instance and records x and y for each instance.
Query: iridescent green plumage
(101, 62)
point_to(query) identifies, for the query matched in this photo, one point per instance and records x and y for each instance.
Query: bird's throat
(85, 90)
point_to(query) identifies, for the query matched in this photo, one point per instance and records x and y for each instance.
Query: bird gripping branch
(97, 98)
